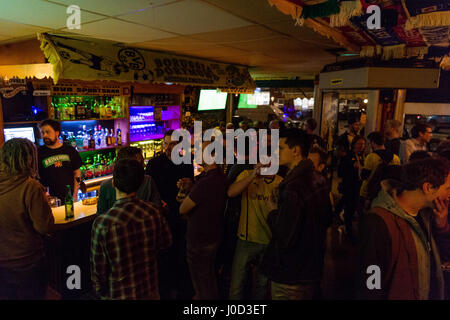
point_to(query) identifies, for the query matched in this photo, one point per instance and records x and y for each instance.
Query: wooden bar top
(82, 213)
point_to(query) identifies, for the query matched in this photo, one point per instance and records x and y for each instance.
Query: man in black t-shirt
(59, 165)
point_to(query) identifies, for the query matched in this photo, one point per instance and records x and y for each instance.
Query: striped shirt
(124, 249)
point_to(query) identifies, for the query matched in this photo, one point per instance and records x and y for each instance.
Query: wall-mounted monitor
(254, 100)
(244, 103)
(212, 100)
(23, 132)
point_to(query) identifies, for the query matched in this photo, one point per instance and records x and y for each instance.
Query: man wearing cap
(344, 141)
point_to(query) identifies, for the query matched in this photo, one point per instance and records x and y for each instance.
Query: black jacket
(296, 252)
(351, 181)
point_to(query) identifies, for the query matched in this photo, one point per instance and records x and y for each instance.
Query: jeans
(24, 283)
(247, 253)
(202, 266)
(281, 291)
(351, 205)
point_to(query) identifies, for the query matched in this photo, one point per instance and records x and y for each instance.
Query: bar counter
(70, 245)
(82, 213)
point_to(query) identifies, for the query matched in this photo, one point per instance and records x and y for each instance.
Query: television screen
(212, 100)
(244, 103)
(254, 100)
(25, 132)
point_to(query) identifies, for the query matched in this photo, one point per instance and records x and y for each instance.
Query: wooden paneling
(25, 52)
(2, 135)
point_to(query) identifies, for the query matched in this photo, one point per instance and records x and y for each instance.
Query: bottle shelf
(147, 121)
(148, 138)
(98, 149)
(96, 119)
(22, 122)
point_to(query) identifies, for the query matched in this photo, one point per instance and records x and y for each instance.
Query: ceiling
(247, 32)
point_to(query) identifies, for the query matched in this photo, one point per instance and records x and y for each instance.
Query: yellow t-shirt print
(253, 226)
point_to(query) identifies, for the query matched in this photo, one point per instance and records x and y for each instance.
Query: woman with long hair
(25, 217)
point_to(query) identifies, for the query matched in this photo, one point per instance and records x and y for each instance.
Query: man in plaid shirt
(126, 240)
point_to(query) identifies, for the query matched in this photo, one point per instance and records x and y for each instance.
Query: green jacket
(146, 192)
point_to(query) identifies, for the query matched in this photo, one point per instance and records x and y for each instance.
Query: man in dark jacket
(174, 276)
(294, 257)
(344, 141)
(399, 258)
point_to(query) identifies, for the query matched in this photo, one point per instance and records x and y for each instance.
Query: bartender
(59, 164)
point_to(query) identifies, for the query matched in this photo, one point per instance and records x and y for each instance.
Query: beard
(49, 142)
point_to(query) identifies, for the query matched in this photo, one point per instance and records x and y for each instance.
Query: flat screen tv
(244, 102)
(254, 100)
(23, 132)
(212, 100)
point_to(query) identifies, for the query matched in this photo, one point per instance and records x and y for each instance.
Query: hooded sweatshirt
(395, 242)
(25, 216)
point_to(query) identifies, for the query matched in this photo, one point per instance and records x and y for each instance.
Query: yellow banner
(92, 59)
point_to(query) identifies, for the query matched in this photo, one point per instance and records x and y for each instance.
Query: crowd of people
(232, 232)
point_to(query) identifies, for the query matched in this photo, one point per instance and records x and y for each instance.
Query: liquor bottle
(68, 203)
(108, 107)
(119, 107)
(102, 108)
(89, 173)
(96, 110)
(73, 141)
(72, 108)
(51, 110)
(104, 134)
(85, 138)
(98, 137)
(88, 107)
(108, 137)
(92, 141)
(81, 109)
(119, 135)
(113, 138)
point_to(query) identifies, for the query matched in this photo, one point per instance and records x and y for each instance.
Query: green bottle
(68, 202)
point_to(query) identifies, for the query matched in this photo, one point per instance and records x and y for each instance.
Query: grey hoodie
(25, 216)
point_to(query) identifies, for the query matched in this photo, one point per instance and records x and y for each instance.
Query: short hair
(168, 133)
(128, 153)
(394, 124)
(323, 155)
(352, 119)
(355, 140)
(18, 156)
(312, 124)
(52, 123)
(296, 137)
(419, 128)
(376, 137)
(419, 155)
(128, 175)
(416, 173)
